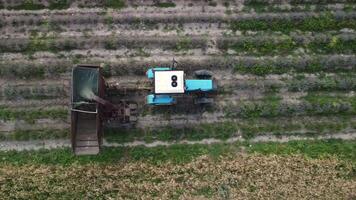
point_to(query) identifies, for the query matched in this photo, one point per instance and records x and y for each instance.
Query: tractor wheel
(203, 74)
(203, 100)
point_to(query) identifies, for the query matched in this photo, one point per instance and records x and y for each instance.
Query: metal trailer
(90, 109)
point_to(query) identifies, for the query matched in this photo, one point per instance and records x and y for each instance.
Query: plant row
(30, 115)
(326, 83)
(287, 23)
(267, 7)
(283, 22)
(34, 92)
(26, 70)
(139, 66)
(26, 135)
(59, 4)
(293, 2)
(322, 106)
(260, 45)
(53, 44)
(267, 45)
(344, 150)
(224, 130)
(299, 83)
(307, 64)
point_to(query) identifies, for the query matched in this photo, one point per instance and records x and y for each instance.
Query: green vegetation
(31, 5)
(28, 5)
(30, 115)
(345, 150)
(286, 45)
(25, 135)
(322, 106)
(59, 4)
(290, 65)
(342, 82)
(35, 92)
(223, 130)
(260, 70)
(321, 23)
(164, 4)
(63, 4)
(116, 4)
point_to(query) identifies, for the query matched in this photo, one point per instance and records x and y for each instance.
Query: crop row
(30, 115)
(34, 92)
(25, 135)
(138, 66)
(224, 130)
(284, 22)
(311, 106)
(259, 45)
(346, 83)
(26, 70)
(300, 83)
(111, 43)
(267, 7)
(118, 4)
(293, 2)
(265, 45)
(58, 4)
(302, 64)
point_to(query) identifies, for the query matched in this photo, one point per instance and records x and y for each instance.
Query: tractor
(169, 83)
(96, 104)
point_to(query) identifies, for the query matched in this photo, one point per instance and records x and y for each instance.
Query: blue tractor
(168, 83)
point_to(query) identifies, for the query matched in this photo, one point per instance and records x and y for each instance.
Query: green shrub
(164, 4)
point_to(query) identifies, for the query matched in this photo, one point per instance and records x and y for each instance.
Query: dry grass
(236, 177)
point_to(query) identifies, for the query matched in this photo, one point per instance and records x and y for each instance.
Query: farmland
(285, 71)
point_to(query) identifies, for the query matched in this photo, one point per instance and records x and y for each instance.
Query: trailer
(90, 109)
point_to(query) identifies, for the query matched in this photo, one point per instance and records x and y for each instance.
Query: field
(283, 123)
